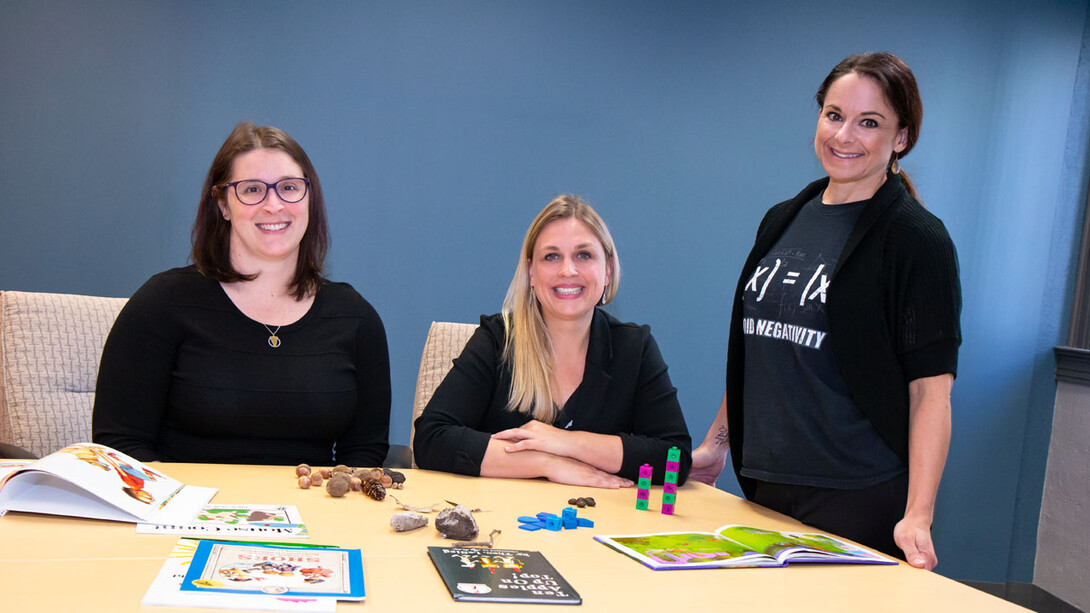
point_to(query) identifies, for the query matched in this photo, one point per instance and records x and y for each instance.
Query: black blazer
(625, 391)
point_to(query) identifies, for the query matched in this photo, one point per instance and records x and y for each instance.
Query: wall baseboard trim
(1028, 595)
(1072, 365)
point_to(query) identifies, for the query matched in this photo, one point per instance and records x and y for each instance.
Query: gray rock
(404, 522)
(456, 524)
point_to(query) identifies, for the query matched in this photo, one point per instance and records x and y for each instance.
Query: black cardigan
(894, 309)
(626, 391)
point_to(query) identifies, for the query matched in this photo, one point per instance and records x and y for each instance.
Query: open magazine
(733, 546)
(89, 480)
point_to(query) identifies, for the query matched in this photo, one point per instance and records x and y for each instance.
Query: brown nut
(304, 482)
(341, 468)
(356, 484)
(326, 473)
(302, 470)
(316, 478)
(337, 487)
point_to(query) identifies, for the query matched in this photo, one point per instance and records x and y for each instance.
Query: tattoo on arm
(721, 436)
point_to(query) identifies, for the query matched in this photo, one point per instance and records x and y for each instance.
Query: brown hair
(527, 349)
(899, 86)
(211, 238)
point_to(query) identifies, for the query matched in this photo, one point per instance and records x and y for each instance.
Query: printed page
(237, 522)
(166, 590)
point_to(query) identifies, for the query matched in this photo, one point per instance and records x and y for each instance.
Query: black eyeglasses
(254, 191)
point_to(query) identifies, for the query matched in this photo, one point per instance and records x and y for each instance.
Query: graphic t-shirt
(802, 425)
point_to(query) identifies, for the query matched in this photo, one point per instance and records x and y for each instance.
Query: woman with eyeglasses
(250, 355)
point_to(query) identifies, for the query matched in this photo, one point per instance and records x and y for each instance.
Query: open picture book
(89, 480)
(733, 546)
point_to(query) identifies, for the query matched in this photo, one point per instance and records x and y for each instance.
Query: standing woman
(553, 386)
(250, 355)
(845, 332)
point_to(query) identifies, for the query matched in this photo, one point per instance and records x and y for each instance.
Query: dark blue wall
(439, 129)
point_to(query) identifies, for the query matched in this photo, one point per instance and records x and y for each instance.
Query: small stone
(590, 501)
(456, 524)
(573, 501)
(580, 502)
(395, 476)
(404, 522)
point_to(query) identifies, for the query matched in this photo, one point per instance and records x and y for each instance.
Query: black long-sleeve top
(187, 377)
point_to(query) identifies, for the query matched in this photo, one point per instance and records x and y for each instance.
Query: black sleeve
(927, 302)
(448, 435)
(135, 372)
(658, 423)
(367, 440)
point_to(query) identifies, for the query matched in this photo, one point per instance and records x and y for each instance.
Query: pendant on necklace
(274, 340)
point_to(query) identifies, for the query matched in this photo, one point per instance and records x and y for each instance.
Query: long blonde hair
(527, 350)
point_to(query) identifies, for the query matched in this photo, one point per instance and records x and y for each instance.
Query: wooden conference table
(67, 564)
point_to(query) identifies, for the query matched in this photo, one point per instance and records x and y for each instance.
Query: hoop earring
(895, 166)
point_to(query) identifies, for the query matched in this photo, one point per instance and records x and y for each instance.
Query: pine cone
(374, 489)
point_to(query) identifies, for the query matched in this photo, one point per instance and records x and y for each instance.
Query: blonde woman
(553, 386)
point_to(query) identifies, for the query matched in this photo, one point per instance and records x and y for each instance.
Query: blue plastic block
(553, 523)
(568, 512)
(530, 527)
(583, 522)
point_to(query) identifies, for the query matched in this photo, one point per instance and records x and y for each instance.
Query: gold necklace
(274, 340)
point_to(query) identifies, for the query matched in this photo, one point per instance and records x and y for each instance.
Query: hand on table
(573, 472)
(707, 464)
(913, 536)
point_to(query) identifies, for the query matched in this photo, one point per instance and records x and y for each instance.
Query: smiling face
(569, 271)
(268, 232)
(857, 133)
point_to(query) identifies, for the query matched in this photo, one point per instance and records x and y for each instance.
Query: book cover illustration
(501, 575)
(733, 546)
(166, 590)
(244, 568)
(238, 521)
(89, 480)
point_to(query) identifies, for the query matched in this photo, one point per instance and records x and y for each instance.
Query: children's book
(501, 575)
(280, 570)
(237, 522)
(89, 480)
(734, 546)
(166, 590)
